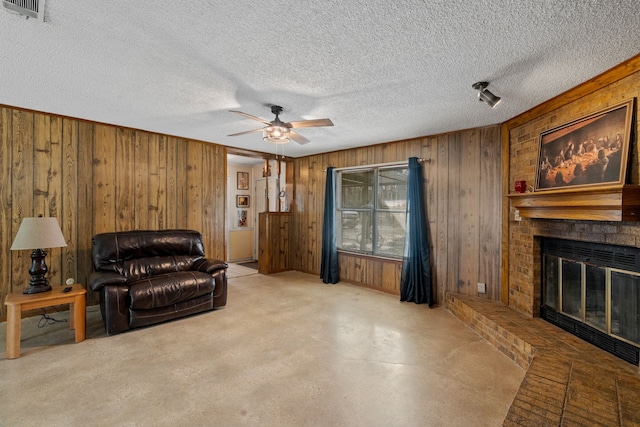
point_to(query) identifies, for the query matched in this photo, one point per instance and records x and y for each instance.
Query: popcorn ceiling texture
(381, 70)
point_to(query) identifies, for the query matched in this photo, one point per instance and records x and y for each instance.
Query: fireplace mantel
(620, 203)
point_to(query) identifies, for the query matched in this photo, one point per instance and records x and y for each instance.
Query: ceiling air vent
(27, 8)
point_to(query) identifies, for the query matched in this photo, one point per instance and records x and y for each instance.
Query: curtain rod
(405, 162)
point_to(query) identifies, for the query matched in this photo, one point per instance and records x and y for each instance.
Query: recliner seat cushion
(168, 289)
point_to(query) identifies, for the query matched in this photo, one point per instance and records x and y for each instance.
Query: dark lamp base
(37, 289)
(38, 270)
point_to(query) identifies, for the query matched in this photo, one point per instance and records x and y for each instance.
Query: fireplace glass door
(625, 305)
(581, 291)
(594, 292)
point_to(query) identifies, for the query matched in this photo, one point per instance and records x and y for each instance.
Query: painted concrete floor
(286, 351)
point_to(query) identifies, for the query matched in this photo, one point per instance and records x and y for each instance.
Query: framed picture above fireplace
(592, 151)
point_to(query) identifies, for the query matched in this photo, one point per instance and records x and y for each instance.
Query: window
(371, 210)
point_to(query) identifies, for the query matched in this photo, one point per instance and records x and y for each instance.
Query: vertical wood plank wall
(96, 178)
(274, 242)
(463, 192)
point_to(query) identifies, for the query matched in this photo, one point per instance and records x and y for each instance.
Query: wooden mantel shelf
(620, 203)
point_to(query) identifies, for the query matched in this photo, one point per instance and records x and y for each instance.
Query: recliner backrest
(143, 253)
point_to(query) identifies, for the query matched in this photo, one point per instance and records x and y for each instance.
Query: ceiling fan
(279, 132)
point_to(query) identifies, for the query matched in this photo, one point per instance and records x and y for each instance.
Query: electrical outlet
(482, 288)
(70, 281)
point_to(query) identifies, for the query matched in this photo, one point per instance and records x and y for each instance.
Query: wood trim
(369, 256)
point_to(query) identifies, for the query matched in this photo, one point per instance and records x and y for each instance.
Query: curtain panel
(329, 269)
(415, 280)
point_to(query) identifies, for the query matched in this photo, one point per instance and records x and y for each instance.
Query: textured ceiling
(381, 70)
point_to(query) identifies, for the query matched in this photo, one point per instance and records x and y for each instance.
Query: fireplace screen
(593, 291)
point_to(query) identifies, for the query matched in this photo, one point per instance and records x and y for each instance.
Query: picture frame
(242, 218)
(592, 151)
(242, 201)
(243, 181)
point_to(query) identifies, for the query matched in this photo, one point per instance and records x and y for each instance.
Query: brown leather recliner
(146, 277)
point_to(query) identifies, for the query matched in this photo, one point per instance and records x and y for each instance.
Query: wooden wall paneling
(389, 277)
(54, 192)
(441, 239)
(296, 210)
(221, 191)
(159, 157)
(208, 187)
(309, 215)
(316, 207)
(274, 241)
(490, 211)
(124, 180)
(21, 191)
(303, 214)
(157, 182)
(172, 183)
(69, 211)
(213, 199)
(182, 201)
(453, 211)
(376, 276)
(6, 231)
(469, 170)
(402, 152)
(193, 185)
(86, 227)
(104, 173)
(142, 182)
(42, 161)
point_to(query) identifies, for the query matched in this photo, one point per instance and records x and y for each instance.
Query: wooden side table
(17, 302)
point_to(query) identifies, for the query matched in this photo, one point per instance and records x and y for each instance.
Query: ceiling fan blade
(245, 132)
(310, 123)
(298, 138)
(249, 116)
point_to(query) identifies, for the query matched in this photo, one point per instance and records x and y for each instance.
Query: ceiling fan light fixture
(276, 134)
(484, 95)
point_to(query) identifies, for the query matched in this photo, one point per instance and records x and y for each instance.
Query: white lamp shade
(38, 233)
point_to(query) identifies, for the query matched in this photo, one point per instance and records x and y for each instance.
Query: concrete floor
(286, 351)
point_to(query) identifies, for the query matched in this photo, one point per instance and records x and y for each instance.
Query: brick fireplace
(522, 248)
(522, 275)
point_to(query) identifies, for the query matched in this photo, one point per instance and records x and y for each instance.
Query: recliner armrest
(210, 266)
(100, 279)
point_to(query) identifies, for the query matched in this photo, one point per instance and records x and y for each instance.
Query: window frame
(374, 208)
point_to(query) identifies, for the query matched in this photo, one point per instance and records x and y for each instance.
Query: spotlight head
(480, 86)
(485, 95)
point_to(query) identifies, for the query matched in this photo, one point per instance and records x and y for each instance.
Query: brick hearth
(568, 381)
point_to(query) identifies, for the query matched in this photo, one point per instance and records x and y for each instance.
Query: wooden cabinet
(274, 236)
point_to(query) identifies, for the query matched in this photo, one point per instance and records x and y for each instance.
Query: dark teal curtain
(415, 280)
(329, 271)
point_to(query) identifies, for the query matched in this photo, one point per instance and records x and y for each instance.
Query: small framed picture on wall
(242, 201)
(243, 180)
(242, 218)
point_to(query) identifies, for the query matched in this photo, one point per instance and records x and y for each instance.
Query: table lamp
(38, 233)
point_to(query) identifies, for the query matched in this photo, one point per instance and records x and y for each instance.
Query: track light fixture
(484, 95)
